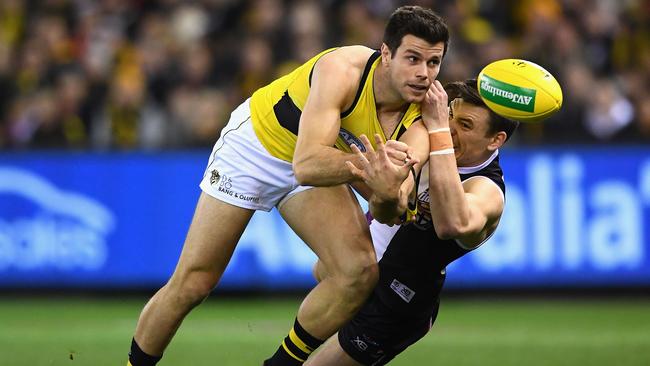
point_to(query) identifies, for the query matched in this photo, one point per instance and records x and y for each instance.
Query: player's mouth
(418, 88)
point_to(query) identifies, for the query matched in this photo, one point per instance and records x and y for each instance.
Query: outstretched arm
(465, 211)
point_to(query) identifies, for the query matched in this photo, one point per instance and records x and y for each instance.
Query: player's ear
(497, 140)
(385, 54)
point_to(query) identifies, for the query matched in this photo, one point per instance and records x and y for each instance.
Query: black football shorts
(376, 334)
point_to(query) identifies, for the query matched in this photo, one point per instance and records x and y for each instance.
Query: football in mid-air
(519, 90)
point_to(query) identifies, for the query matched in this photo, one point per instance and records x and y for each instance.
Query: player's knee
(358, 274)
(369, 274)
(318, 271)
(191, 288)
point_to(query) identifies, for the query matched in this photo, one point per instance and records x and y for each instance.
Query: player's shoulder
(347, 62)
(486, 179)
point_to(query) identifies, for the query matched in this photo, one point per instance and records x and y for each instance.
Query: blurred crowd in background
(138, 74)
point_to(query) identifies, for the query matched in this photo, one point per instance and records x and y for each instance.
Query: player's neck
(476, 161)
(387, 99)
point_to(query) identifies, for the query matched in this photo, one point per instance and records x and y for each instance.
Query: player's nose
(422, 72)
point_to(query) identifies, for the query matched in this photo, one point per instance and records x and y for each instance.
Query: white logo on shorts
(361, 345)
(402, 290)
(225, 186)
(225, 183)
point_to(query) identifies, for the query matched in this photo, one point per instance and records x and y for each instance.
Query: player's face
(414, 66)
(469, 127)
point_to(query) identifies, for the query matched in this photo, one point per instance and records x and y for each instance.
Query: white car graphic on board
(66, 230)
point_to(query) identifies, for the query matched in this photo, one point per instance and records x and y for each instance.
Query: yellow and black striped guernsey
(276, 109)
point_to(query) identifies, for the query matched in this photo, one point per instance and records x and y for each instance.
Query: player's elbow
(319, 272)
(303, 173)
(302, 163)
(447, 231)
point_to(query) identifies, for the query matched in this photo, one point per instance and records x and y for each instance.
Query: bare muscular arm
(334, 82)
(465, 211)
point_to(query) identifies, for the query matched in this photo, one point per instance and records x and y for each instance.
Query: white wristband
(442, 152)
(443, 129)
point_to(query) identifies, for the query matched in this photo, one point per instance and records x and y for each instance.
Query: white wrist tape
(443, 129)
(442, 152)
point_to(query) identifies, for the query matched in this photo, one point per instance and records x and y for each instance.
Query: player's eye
(412, 59)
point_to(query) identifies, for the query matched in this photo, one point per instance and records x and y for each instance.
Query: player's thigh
(331, 354)
(330, 221)
(215, 230)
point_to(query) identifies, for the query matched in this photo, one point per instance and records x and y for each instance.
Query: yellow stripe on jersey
(276, 110)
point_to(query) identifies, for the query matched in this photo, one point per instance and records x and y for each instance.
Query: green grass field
(241, 332)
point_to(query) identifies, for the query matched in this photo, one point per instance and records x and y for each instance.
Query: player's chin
(414, 97)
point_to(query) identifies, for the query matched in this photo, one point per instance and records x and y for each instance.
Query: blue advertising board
(118, 220)
(572, 218)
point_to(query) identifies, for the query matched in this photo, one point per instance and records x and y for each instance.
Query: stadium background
(108, 110)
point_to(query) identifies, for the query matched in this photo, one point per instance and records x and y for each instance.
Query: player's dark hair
(468, 91)
(417, 21)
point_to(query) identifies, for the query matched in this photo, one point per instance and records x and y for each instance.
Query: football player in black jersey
(460, 199)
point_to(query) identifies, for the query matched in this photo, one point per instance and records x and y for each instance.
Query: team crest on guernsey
(350, 139)
(214, 177)
(423, 219)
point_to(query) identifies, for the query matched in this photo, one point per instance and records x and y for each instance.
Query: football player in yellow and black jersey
(287, 147)
(460, 201)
